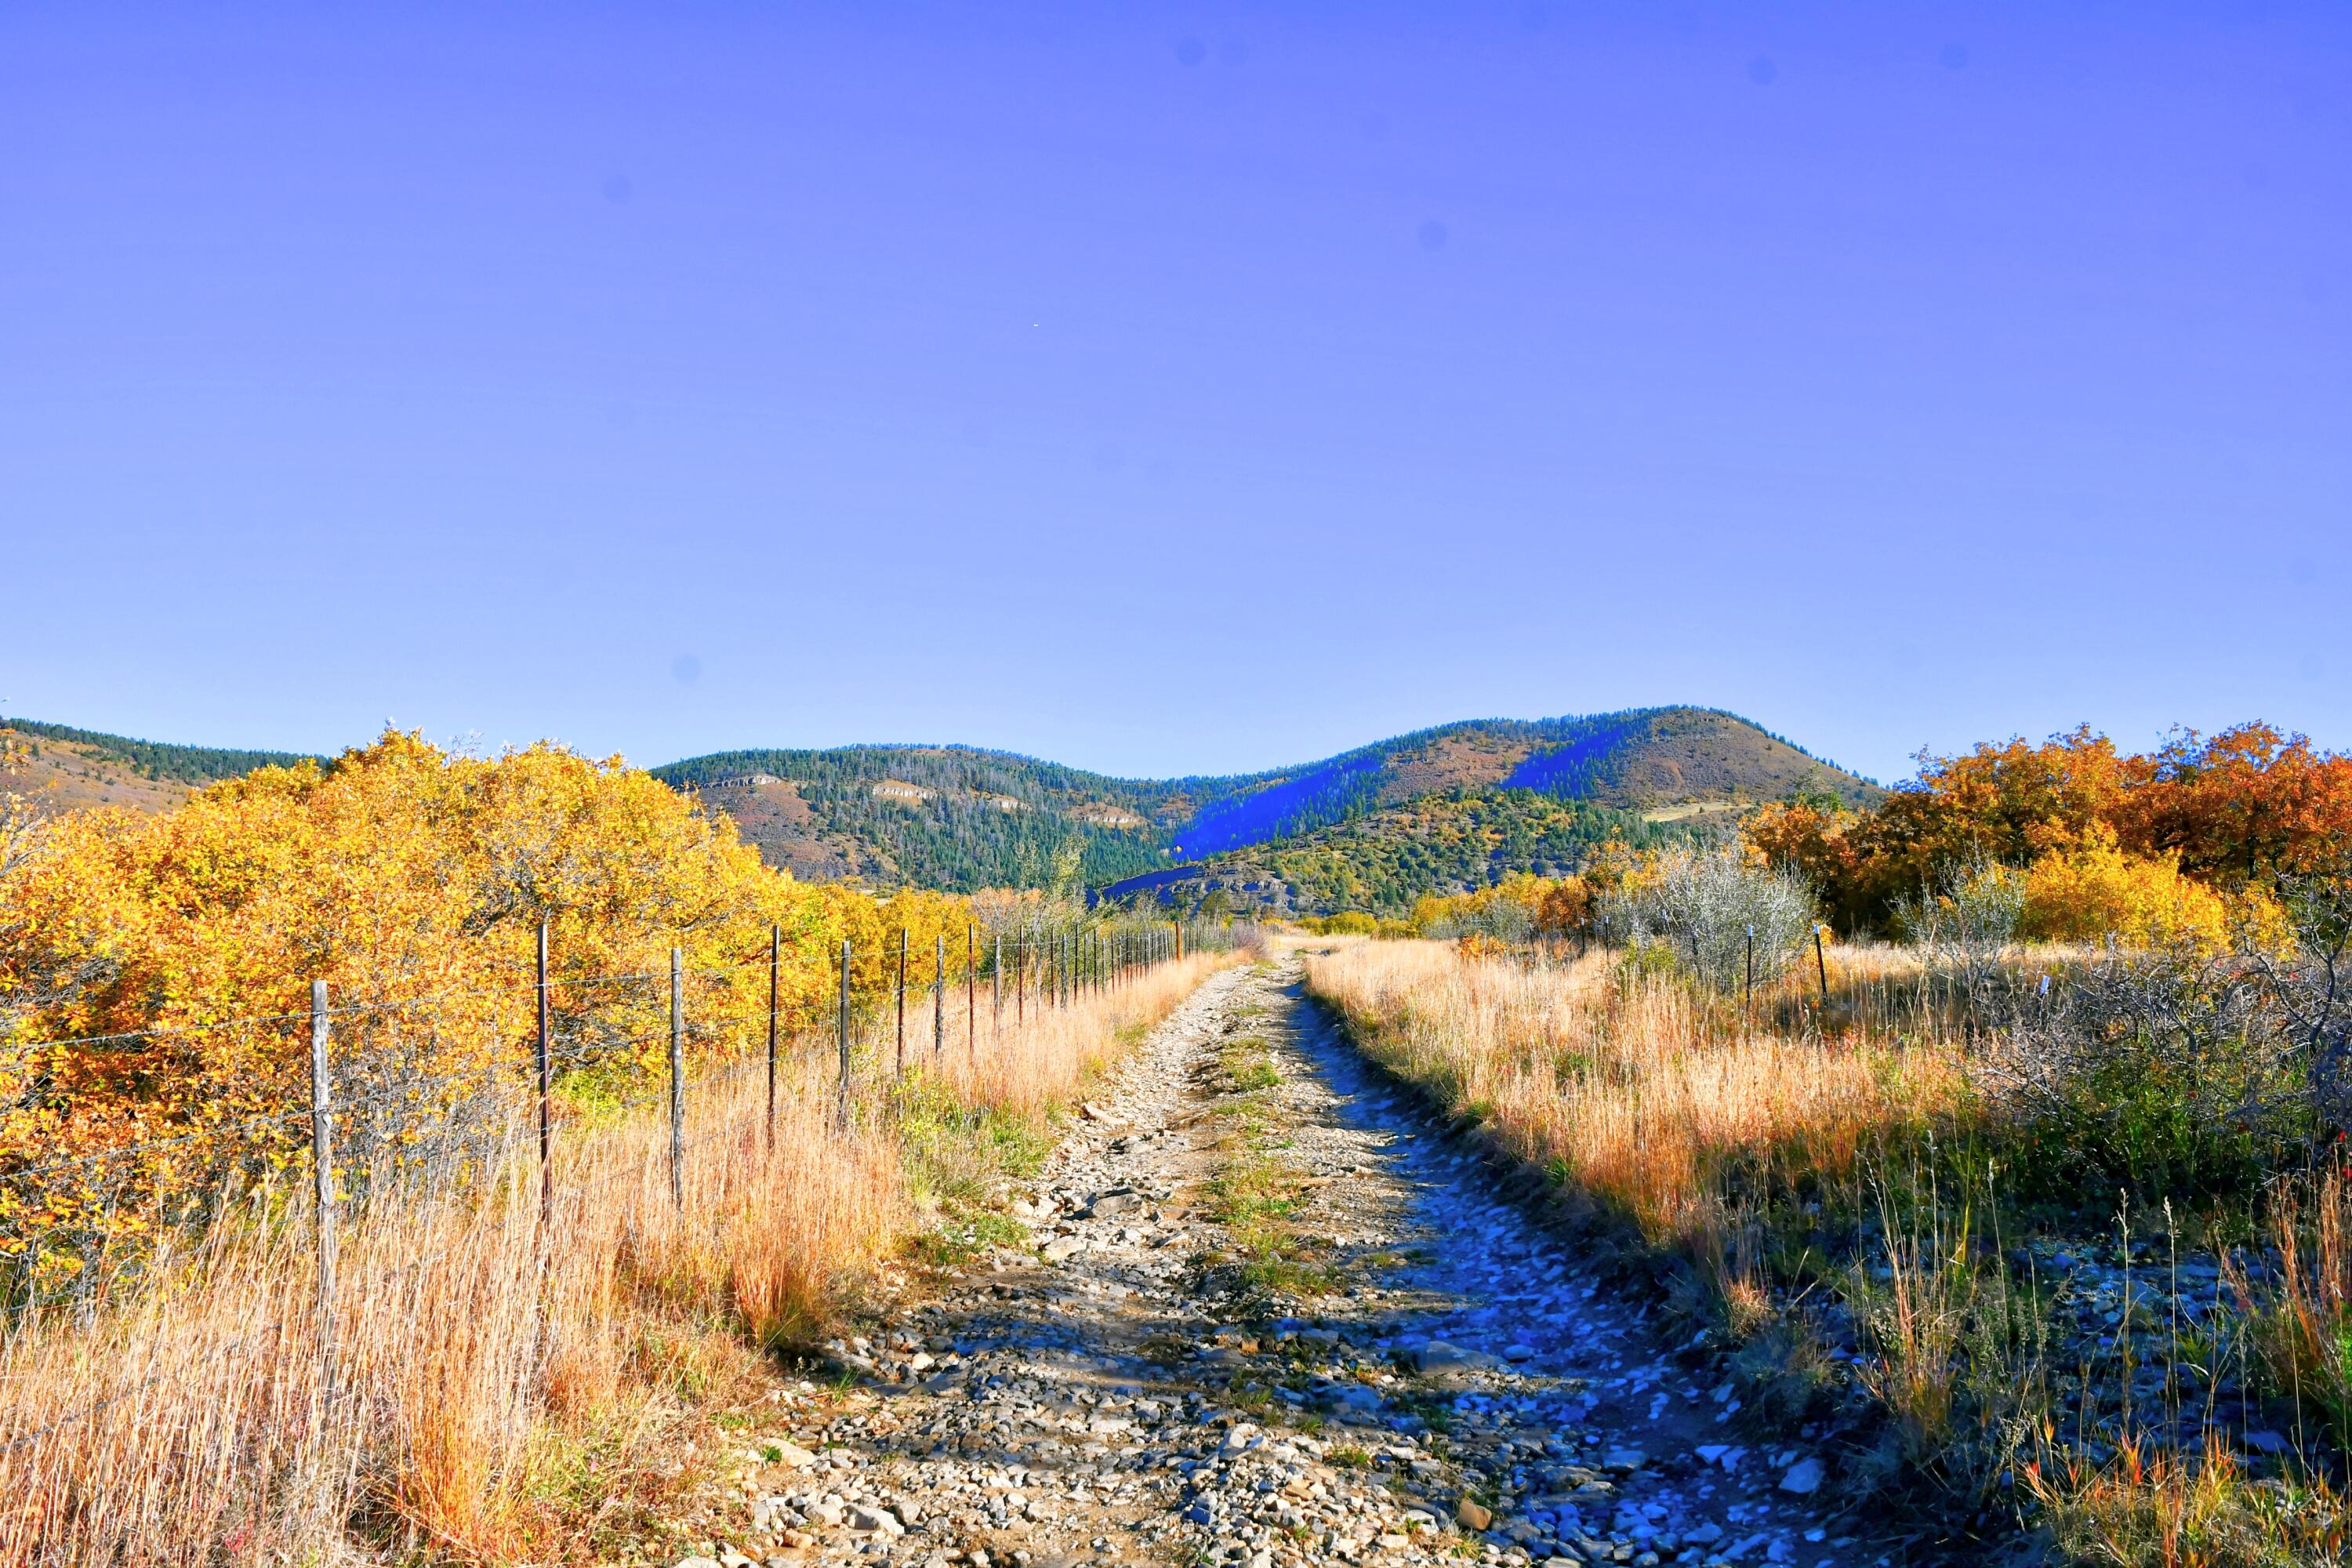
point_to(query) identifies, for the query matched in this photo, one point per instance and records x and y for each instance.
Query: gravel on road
(1270, 1315)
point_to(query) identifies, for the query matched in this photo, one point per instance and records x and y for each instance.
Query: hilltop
(1464, 805)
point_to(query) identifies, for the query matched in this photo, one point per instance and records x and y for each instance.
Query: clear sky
(1172, 388)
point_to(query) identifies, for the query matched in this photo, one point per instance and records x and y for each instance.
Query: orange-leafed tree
(2242, 809)
(2249, 804)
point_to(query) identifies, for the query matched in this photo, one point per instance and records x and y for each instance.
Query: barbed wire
(527, 1057)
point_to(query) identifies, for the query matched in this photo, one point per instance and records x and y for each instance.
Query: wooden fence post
(322, 1188)
(678, 1078)
(902, 1001)
(996, 992)
(776, 975)
(841, 1115)
(546, 1173)
(971, 993)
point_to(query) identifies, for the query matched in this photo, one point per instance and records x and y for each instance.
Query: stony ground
(1269, 1316)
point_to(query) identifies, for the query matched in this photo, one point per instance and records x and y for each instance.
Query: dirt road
(1271, 1316)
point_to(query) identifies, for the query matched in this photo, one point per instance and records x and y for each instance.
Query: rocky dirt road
(1271, 1316)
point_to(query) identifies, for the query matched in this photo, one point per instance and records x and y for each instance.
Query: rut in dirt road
(1275, 1318)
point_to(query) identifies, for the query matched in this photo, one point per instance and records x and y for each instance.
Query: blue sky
(1173, 388)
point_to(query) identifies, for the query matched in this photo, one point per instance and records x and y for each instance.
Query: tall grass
(1832, 1150)
(1670, 1109)
(202, 1418)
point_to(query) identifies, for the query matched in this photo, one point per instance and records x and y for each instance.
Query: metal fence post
(677, 1077)
(842, 1114)
(1750, 1002)
(775, 971)
(939, 996)
(546, 1173)
(902, 1001)
(996, 990)
(322, 1186)
(971, 993)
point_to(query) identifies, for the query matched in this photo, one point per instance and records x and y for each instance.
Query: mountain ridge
(1437, 809)
(966, 816)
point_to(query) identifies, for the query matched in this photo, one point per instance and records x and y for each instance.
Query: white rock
(1804, 1478)
(868, 1519)
(1437, 1355)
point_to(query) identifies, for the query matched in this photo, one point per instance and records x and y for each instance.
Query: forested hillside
(947, 817)
(1434, 811)
(69, 768)
(1385, 860)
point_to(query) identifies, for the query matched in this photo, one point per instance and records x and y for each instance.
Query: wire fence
(361, 1106)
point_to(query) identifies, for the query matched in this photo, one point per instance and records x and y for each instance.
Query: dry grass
(195, 1421)
(1671, 1110)
(1743, 1137)
(2146, 1509)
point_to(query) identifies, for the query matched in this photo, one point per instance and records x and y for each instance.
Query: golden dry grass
(195, 1421)
(1663, 1105)
(1704, 1123)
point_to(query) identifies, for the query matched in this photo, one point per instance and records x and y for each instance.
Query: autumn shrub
(1965, 927)
(1725, 916)
(2098, 890)
(2181, 1071)
(153, 967)
(2242, 808)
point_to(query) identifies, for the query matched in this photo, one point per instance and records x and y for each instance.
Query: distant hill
(69, 769)
(1436, 810)
(947, 817)
(1464, 805)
